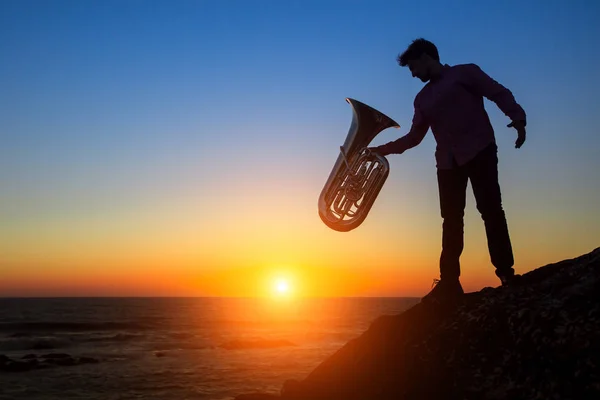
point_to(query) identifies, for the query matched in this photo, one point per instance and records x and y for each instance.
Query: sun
(281, 283)
(282, 286)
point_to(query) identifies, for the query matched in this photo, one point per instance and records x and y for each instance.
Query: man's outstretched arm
(482, 84)
(417, 132)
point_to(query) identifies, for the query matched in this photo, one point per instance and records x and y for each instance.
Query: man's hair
(416, 49)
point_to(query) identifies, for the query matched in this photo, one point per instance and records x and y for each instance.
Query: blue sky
(114, 109)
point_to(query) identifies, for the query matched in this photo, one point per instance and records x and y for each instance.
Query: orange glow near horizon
(263, 253)
(257, 281)
(267, 280)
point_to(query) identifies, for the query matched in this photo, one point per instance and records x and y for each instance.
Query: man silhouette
(451, 104)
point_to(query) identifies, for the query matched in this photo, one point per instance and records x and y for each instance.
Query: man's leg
(452, 184)
(483, 172)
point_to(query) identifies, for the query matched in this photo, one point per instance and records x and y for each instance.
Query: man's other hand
(521, 135)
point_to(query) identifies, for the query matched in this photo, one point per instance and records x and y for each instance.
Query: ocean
(172, 348)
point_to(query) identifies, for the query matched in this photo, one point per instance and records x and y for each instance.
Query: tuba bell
(358, 174)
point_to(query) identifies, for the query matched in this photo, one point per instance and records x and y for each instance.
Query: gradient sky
(179, 147)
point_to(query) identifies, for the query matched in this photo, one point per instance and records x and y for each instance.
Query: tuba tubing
(358, 174)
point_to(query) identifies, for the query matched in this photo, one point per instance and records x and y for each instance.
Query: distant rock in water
(19, 335)
(539, 339)
(255, 344)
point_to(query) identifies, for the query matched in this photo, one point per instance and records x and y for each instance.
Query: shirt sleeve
(417, 132)
(482, 84)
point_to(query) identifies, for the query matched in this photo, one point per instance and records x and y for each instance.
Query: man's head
(422, 58)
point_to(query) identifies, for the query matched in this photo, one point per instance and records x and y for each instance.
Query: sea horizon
(212, 348)
(208, 297)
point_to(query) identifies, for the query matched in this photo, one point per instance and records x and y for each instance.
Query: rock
(539, 339)
(60, 359)
(19, 335)
(9, 365)
(17, 366)
(43, 345)
(87, 360)
(64, 362)
(55, 355)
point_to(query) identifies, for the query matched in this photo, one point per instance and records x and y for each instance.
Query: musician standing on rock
(451, 104)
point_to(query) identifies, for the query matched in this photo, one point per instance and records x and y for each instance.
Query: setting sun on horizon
(282, 286)
(179, 149)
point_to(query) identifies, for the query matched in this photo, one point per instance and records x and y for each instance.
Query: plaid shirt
(452, 106)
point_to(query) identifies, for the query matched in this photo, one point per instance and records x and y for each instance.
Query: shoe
(444, 291)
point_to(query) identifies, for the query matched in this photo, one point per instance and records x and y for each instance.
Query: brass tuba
(358, 174)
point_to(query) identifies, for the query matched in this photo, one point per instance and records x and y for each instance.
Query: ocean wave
(255, 344)
(47, 342)
(168, 346)
(22, 328)
(33, 343)
(119, 337)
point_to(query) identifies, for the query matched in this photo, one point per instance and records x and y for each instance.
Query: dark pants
(482, 171)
